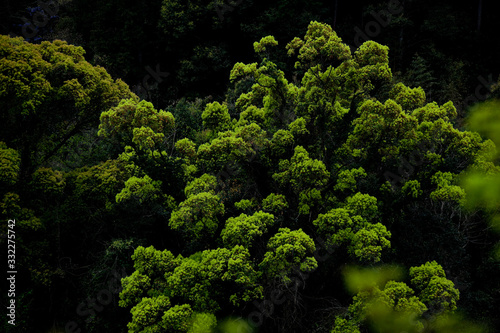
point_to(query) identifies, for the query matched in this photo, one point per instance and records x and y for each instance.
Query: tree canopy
(321, 193)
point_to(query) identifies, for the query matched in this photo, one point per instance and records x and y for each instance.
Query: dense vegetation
(307, 184)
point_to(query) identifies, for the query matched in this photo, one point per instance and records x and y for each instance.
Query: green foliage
(391, 306)
(202, 323)
(137, 123)
(445, 191)
(218, 276)
(336, 146)
(25, 218)
(196, 217)
(482, 181)
(419, 74)
(347, 179)
(406, 97)
(352, 225)
(216, 117)
(205, 183)
(147, 315)
(245, 204)
(140, 189)
(412, 188)
(9, 164)
(288, 250)
(435, 290)
(274, 203)
(48, 180)
(368, 243)
(177, 318)
(49, 93)
(222, 150)
(267, 41)
(243, 230)
(100, 182)
(302, 172)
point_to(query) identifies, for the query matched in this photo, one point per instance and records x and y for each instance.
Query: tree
(318, 157)
(50, 94)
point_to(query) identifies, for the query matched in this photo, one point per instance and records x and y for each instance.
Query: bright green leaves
(412, 188)
(382, 126)
(267, 41)
(337, 224)
(186, 148)
(482, 181)
(49, 94)
(435, 290)
(344, 118)
(274, 203)
(156, 315)
(204, 183)
(320, 45)
(286, 251)
(9, 164)
(203, 323)
(270, 90)
(252, 114)
(147, 315)
(408, 98)
(305, 175)
(216, 117)
(445, 191)
(140, 189)
(344, 326)
(134, 288)
(154, 263)
(197, 216)
(241, 70)
(243, 230)
(281, 141)
(178, 318)
(373, 61)
(246, 205)
(395, 295)
(232, 146)
(137, 123)
(302, 172)
(298, 127)
(368, 243)
(347, 179)
(151, 266)
(433, 112)
(202, 282)
(220, 151)
(354, 225)
(364, 205)
(215, 277)
(392, 306)
(485, 119)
